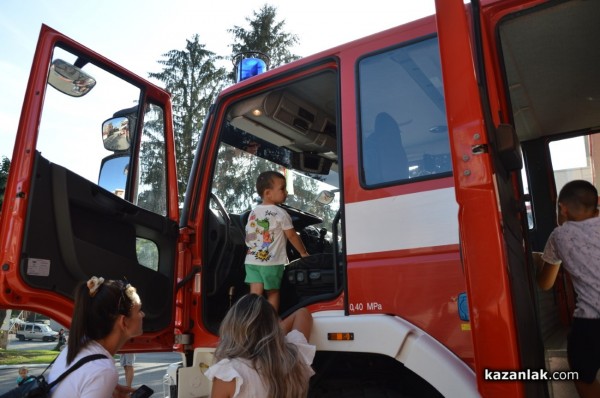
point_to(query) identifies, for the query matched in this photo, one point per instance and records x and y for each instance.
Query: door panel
(80, 229)
(58, 226)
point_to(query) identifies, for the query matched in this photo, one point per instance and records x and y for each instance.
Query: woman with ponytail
(107, 313)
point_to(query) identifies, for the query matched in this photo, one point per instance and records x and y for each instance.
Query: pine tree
(194, 80)
(4, 167)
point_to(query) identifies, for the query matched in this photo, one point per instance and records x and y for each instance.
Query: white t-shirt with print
(94, 379)
(265, 236)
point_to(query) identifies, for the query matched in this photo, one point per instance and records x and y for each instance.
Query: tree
(266, 36)
(3, 332)
(4, 167)
(194, 80)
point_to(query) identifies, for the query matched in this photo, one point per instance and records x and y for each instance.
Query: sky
(147, 29)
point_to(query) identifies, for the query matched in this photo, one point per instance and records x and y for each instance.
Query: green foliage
(235, 176)
(4, 167)
(194, 80)
(152, 190)
(265, 35)
(18, 357)
(234, 184)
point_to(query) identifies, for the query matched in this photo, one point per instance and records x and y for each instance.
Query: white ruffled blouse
(248, 383)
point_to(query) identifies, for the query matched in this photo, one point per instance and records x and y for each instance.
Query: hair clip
(93, 284)
(126, 284)
(130, 291)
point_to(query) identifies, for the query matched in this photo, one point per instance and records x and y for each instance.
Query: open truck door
(517, 76)
(499, 283)
(84, 120)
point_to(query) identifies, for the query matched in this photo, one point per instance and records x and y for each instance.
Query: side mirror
(69, 79)
(115, 134)
(325, 197)
(113, 174)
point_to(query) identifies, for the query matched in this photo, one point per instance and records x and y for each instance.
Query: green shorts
(269, 275)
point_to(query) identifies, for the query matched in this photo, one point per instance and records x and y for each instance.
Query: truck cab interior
(291, 128)
(549, 65)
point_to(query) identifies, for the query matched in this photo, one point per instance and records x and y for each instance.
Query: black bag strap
(77, 365)
(50, 364)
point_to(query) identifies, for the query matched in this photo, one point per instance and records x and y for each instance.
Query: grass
(18, 357)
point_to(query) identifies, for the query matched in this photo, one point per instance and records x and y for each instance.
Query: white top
(577, 245)
(265, 238)
(95, 379)
(248, 383)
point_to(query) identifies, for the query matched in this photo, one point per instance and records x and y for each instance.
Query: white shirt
(265, 236)
(248, 383)
(577, 245)
(95, 379)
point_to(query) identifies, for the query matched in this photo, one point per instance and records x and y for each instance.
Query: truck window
(72, 135)
(403, 132)
(231, 177)
(575, 159)
(70, 129)
(152, 179)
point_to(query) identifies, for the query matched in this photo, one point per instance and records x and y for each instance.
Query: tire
(21, 337)
(360, 392)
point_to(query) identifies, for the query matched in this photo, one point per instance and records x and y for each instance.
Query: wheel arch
(399, 339)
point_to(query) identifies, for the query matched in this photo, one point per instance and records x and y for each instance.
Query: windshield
(290, 129)
(236, 174)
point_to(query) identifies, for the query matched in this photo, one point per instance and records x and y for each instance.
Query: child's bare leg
(301, 320)
(273, 298)
(588, 390)
(257, 288)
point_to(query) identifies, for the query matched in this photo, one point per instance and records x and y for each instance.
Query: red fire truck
(423, 164)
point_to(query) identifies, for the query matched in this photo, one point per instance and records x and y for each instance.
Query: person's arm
(547, 275)
(301, 320)
(545, 272)
(222, 389)
(121, 391)
(295, 240)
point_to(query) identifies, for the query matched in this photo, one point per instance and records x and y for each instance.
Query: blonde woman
(255, 356)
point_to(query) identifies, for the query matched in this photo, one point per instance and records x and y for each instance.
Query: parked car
(36, 331)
